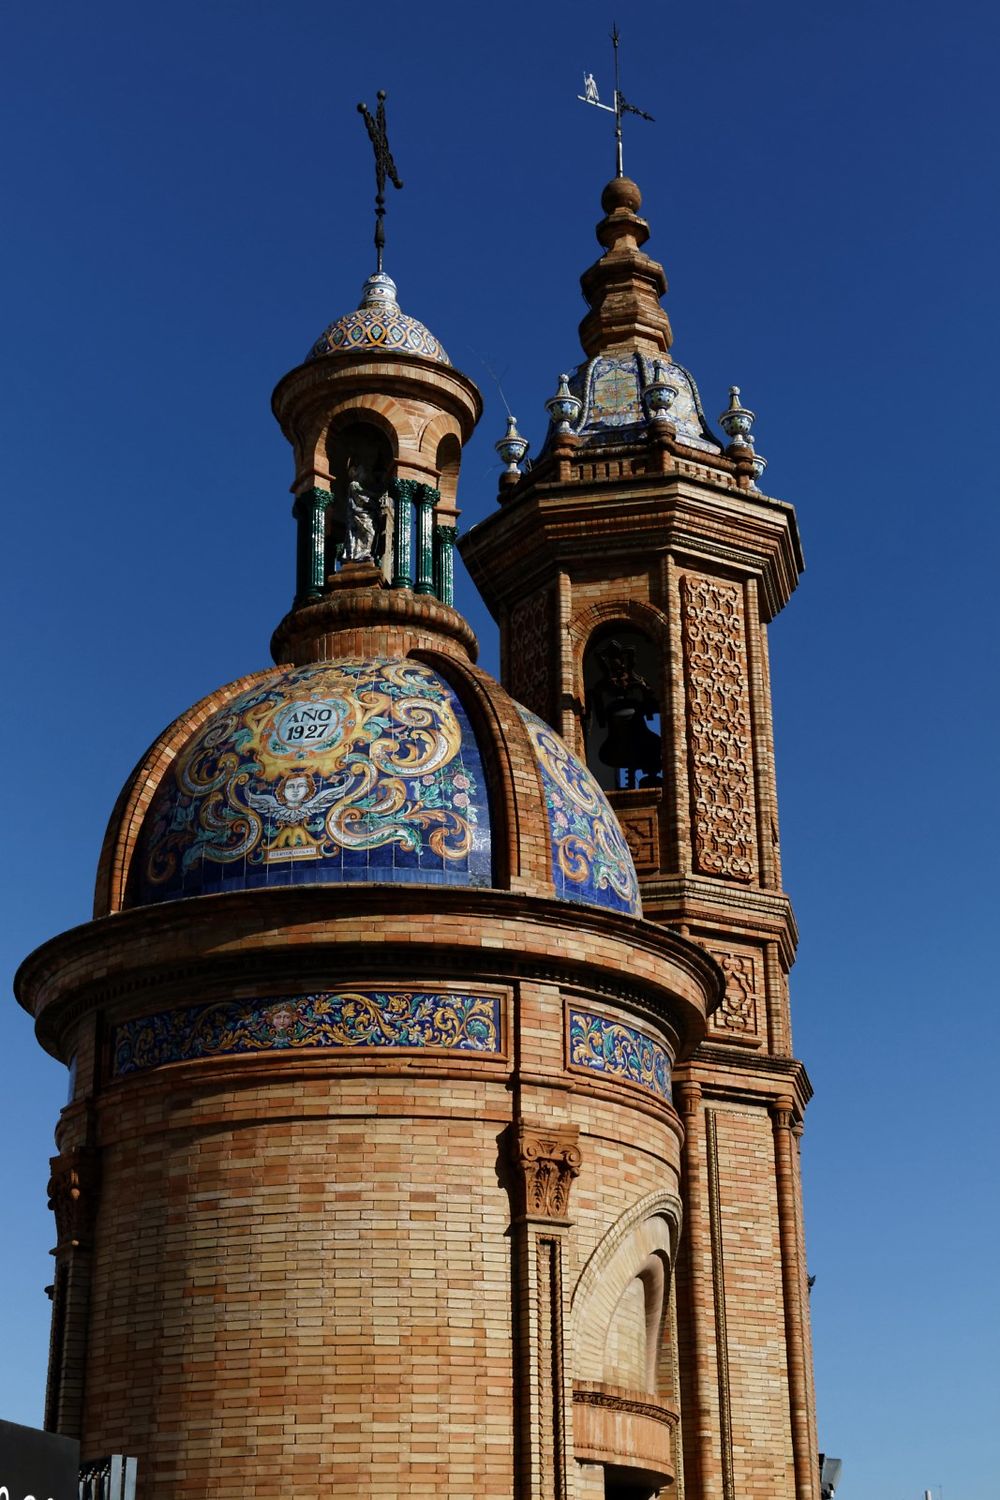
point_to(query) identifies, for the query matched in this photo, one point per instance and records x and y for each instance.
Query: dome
(609, 388)
(378, 323)
(365, 771)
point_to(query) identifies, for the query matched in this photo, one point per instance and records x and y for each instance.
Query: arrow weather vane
(384, 166)
(620, 106)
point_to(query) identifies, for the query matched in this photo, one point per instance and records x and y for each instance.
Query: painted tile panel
(340, 771)
(602, 1045)
(591, 862)
(333, 1020)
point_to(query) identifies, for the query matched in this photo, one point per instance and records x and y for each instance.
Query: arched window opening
(621, 680)
(359, 521)
(449, 457)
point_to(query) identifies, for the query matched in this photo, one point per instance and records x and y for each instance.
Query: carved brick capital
(783, 1113)
(546, 1159)
(688, 1098)
(72, 1190)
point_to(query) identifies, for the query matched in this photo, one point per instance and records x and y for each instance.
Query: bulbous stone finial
(512, 447)
(737, 420)
(621, 192)
(564, 407)
(659, 394)
(624, 287)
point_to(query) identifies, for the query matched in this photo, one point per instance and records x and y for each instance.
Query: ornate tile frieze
(352, 1019)
(617, 1051)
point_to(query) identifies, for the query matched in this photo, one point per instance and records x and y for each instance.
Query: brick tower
(633, 571)
(370, 1179)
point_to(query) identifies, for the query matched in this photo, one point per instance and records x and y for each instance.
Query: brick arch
(649, 1228)
(522, 849)
(645, 617)
(373, 410)
(439, 426)
(378, 411)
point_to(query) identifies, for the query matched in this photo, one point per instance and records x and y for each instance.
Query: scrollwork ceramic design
(590, 858)
(615, 1050)
(348, 1020)
(360, 771)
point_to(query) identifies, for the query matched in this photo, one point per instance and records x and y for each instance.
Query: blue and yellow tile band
(344, 1020)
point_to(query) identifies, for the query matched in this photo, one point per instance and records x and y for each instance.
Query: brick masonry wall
(318, 1292)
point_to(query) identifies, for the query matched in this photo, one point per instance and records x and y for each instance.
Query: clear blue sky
(187, 195)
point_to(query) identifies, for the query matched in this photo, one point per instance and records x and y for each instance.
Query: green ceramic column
(402, 533)
(426, 497)
(444, 559)
(309, 511)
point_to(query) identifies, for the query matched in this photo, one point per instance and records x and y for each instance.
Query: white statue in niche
(367, 513)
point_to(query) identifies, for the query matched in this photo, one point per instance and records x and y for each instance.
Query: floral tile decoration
(591, 861)
(342, 771)
(618, 1051)
(340, 1021)
(610, 389)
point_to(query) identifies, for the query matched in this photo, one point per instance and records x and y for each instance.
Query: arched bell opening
(622, 674)
(359, 517)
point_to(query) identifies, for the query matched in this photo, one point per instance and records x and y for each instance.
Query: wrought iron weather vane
(620, 107)
(384, 166)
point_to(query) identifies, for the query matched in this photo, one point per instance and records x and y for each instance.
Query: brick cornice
(553, 526)
(700, 902)
(748, 1078)
(371, 621)
(305, 930)
(383, 373)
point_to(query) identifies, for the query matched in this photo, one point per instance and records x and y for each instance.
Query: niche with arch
(359, 452)
(622, 685)
(623, 1362)
(634, 1339)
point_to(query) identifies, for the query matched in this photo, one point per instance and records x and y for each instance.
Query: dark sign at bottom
(37, 1465)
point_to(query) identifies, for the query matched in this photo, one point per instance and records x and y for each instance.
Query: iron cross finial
(620, 106)
(384, 166)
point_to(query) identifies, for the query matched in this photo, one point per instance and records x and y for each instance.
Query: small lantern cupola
(377, 417)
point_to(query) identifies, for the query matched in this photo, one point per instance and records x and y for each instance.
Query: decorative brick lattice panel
(529, 653)
(641, 830)
(737, 1015)
(718, 709)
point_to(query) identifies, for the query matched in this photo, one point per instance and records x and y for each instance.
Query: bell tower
(633, 571)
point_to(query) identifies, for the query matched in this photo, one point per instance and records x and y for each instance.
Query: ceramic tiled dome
(378, 323)
(366, 771)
